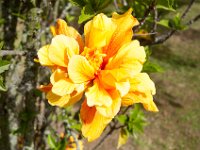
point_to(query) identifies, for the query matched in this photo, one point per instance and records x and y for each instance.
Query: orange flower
(107, 68)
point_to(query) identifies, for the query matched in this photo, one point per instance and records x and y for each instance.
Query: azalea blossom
(105, 66)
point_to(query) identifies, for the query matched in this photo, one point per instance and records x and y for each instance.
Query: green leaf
(151, 67)
(4, 65)
(166, 5)
(136, 121)
(134, 112)
(175, 23)
(2, 86)
(100, 4)
(148, 52)
(122, 119)
(51, 141)
(164, 22)
(69, 18)
(79, 3)
(86, 13)
(76, 126)
(165, 8)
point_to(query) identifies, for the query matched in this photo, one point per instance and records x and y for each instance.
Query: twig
(112, 128)
(187, 9)
(63, 13)
(116, 5)
(152, 33)
(146, 14)
(163, 38)
(56, 6)
(155, 19)
(11, 52)
(119, 127)
(72, 134)
(124, 2)
(125, 110)
(193, 20)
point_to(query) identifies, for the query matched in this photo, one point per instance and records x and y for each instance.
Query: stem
(187, 9)
(166, 36)
(103, 138)
(146, 14)
(11, 52)
(193, 20)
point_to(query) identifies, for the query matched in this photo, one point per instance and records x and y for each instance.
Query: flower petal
(63, 101)
(123, 87)
(62, 28)
(45, 88)
(127, 62)
(141, 82)
(141, 91)
(97, 95)
(57, 75)
(63, 87)
(123, 32)
(43, 56)
(98, 31)
(75, 97)
(112, 110)
(56, 100)
(93, 123)
(80, 70)
(61, 49)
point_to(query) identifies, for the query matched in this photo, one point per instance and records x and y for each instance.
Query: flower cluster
(105, 66)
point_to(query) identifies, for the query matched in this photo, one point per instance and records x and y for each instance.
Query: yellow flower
(107, 68)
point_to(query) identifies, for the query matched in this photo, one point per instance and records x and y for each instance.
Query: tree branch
(112, 128)
(11, 52)
(187, 9)
(193, 20)
(146, 14)
(163, 38)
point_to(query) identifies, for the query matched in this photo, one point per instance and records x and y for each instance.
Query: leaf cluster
(132, 123)
(89, 8)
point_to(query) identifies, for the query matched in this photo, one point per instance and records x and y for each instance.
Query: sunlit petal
(112, 110)
(123, 33)
(93, 123)
(63, 87)
(123, 87)
(62, 48)
(80, 70)
(57, 75)
(43, 55)
(98, 31)
(130, 57)
(56, 100)
(141, 91)
(142, 82)
(151, 106)
(97, 95)
(62, 28)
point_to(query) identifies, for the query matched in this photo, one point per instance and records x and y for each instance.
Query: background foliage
(26, 119)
